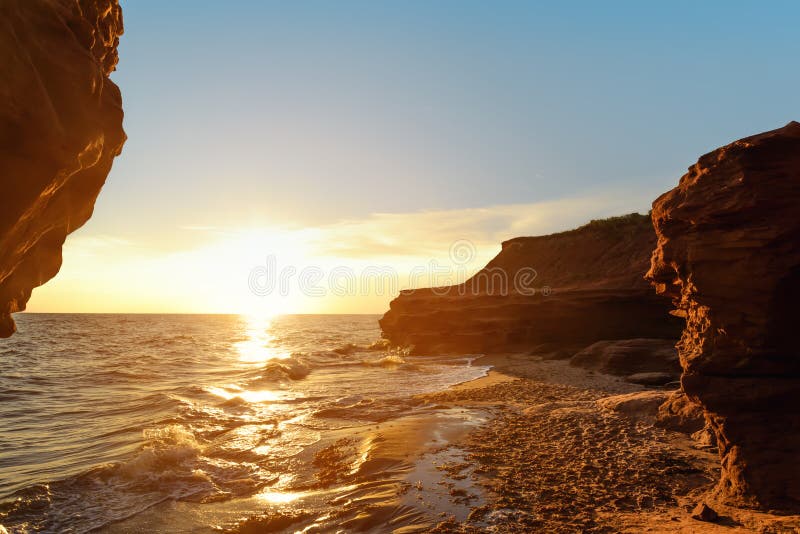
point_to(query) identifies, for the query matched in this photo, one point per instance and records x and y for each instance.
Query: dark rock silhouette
(573, 287)
(729, 256)
(60, 129)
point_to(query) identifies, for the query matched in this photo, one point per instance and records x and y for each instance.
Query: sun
(244, 271)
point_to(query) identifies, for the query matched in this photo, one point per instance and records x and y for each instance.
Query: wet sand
(391, 476)
(555, 458)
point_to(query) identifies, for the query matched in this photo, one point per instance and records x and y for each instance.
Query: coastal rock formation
(60, 129)
(573, 287)
(728, 255)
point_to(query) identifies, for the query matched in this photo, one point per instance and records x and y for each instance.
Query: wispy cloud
(429, 233)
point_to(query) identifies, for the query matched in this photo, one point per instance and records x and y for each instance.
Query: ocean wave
(347, 349)
(234, 402)
(166, 448)
(172, 464)
(293, 368)
(114, 376)
(387, 361)
(351, 348)
(391, 361)
(176, 464)
(164, 340)
(380, 344)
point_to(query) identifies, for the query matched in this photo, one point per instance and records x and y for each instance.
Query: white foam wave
(390, 360)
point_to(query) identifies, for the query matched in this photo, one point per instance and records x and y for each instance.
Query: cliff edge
(728, 255)
(574, 287)
(60, 129)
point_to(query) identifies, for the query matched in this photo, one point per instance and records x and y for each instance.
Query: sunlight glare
(257, 348)
(277, 497)
(255, 396)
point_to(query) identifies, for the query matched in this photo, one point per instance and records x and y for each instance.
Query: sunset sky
(357, 134)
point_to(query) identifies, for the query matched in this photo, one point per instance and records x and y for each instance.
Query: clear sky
(378, 133)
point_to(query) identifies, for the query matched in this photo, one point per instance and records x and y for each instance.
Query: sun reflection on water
(257, 348)
(254, 396)
(278, 497)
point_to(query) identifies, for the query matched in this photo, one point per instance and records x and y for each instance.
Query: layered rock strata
(728, 255)
(573, 287)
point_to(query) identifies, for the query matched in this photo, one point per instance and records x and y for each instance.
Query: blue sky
(324, 110)
(307, 114)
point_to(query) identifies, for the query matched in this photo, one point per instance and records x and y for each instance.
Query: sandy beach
(560, 455)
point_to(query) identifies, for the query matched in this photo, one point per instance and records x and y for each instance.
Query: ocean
(191, 423)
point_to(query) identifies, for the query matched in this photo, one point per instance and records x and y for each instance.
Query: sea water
(105, 418)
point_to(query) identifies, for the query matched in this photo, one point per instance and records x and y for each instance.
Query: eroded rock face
(587, 287)
(729, 256)
(60, 129)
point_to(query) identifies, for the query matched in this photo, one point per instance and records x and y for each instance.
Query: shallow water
(198, 419)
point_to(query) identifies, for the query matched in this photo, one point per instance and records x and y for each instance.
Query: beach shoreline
(558, 455)
(535, 445)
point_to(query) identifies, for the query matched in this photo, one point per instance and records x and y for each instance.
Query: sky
(343, 136)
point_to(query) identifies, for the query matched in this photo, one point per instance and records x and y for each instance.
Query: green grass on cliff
(617, 225)
(613, 227)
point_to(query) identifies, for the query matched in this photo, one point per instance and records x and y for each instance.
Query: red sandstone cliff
(60, 129)
(593, 290)
(729, 256)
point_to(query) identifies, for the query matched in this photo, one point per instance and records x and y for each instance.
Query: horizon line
(180, 313)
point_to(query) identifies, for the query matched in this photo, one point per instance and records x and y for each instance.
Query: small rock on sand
(703, 512)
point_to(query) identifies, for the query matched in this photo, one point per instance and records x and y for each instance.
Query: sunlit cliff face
(60, 130)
